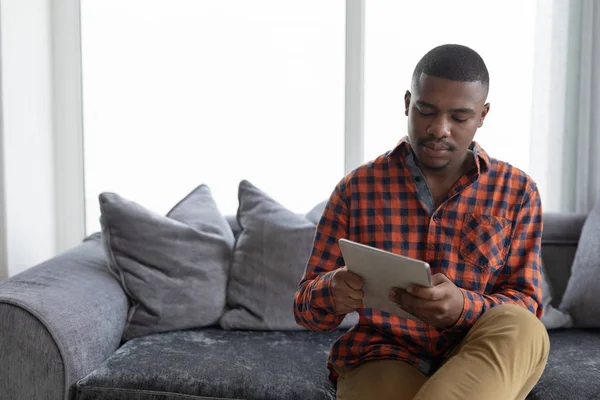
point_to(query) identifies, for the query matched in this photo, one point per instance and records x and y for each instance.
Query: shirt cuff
(322, 293)
(472, 309)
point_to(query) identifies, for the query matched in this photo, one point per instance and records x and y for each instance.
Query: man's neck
(452, 172)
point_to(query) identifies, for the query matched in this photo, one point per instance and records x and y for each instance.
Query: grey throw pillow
(268, 262)
(581, 298)
(314, 215)
(552, 318)
(173, 269)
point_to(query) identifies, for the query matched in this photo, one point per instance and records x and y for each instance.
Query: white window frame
(3, 230)
(68, 114)
(68, 124)
(355, 79)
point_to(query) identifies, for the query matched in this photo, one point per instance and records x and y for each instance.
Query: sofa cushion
(552, 318)
(573, 367)
(173, 269)
(268, 261)
(213, 363)
(315, 214)
(581, 298)
(559, 244)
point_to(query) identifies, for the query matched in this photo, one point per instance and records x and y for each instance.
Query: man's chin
(433, 163)
(438, 166)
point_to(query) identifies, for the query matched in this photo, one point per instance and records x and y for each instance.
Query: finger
(432, 294)
(395, 295)
(403, 299)
(426, 310)
(416, 291)
(346, 291)
(354, 281)
(408, 301)
(356, 294)
(344, 305)
(352, 303)
(436, 279)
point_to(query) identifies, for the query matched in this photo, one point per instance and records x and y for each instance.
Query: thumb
(354, 281)
(440, 278)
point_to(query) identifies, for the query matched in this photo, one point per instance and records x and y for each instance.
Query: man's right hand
(347, 291)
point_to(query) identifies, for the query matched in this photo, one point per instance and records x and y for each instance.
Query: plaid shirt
(485, 237)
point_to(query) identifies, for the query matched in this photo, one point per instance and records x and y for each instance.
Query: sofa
(62, 337)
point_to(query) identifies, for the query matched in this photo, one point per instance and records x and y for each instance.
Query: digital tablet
(382, 270)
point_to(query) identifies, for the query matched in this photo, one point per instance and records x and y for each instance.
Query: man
(437, 196)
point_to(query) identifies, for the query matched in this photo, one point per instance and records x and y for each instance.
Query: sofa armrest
(58, 322)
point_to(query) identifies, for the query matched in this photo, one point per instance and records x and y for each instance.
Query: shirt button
(417, 179)
(435, 218)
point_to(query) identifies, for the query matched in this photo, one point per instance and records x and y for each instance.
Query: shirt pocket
(485, 240)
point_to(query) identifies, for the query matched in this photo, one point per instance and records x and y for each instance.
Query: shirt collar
(482, 159)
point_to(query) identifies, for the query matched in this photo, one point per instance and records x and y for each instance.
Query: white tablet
(382, 270)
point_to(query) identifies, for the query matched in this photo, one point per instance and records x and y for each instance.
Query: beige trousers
(502, 357)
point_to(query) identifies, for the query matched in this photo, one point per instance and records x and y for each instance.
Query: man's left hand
(440, 305)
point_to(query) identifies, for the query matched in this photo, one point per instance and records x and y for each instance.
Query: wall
(3, 259)
(27, 125)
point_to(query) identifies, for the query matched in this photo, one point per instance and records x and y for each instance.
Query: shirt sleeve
(520, 280)
(313, 302)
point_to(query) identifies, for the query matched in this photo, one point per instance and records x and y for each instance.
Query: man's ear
(484, 112)
(406, 102)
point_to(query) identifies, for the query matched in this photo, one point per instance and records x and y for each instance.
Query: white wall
(28, 141)
(3, 260)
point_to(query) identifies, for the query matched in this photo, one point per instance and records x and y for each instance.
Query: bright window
(399, 33)
(182, 92)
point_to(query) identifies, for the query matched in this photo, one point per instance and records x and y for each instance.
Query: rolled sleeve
(314, 307)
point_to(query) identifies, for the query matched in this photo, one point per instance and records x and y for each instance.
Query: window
(399, 33)
(182, 92)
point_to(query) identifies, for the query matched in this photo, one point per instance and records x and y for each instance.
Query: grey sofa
(61, 325)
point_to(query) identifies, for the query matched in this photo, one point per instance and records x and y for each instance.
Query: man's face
(443, 116)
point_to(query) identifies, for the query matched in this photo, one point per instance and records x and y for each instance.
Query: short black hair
(454, 62)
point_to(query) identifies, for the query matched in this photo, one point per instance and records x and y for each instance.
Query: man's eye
(425, 114)
(460, 120)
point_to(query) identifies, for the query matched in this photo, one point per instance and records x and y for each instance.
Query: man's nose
(440, 127)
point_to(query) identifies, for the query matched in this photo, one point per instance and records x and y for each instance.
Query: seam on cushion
(46, 325)
(263, 278)
(107, 239)
(82, 389)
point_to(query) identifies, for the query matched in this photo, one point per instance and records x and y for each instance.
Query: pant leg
(502, 357)
(379, 380)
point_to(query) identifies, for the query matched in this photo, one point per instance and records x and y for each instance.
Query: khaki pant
(502, 357)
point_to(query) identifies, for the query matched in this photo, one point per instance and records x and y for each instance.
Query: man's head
(446, 105)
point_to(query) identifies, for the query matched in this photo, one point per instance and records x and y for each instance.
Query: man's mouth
(436, 146)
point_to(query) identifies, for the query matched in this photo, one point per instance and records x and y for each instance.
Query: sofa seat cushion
(212, 363)
(573, 369)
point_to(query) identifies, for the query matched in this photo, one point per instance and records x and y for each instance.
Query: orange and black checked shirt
(485, 237)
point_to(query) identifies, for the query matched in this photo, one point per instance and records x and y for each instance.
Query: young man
(437, 196)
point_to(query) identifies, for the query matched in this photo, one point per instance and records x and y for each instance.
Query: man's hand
(347, 291)
(439, 306)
